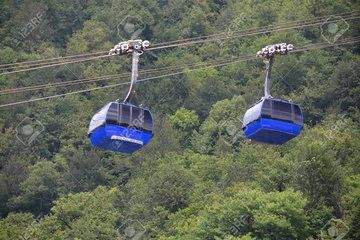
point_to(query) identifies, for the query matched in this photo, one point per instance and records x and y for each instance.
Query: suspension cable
(39, 61)
(315, 46)
(109, 77)
(240, 34)
(110, 86)
(125, 75)
(56, 64)
(184, 42)
(304, 21)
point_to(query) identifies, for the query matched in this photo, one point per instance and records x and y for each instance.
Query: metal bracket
(129, 46)
(134, 72)
(136, 48)
(270, 50)
(268, 54)
(267, 85)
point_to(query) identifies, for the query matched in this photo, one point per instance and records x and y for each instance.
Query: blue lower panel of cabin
(119, 139)
(271, 131)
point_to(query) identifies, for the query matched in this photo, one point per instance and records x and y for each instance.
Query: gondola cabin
(273, 121)
(121, 127)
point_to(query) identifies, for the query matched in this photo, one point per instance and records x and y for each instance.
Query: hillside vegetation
(198, 178)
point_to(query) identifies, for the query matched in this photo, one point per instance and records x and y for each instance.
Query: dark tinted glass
(266, 108)
(266, 103)
(125, 114)
(148, 121)
(281, 110)
(112, 114)
(282, 106)
(137, 117)
(298, 114)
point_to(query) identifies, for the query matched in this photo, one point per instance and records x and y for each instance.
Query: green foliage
(92, 35)
(168, 187)
(15, 226)
(198, 178)
(40, 188)
(88, 215)
(184, 120)
(222, 124)
(245, 212)
(351, 201)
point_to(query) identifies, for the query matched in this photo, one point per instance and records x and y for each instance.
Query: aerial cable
(240, 34)
(315, 46)
(114, 85)
(151, 70)
(40, 61)
(60, 84)
(320, 18)
(56, 64)
(109, 77)
(197, 40)
(207, 39)
(322, 45)
(280, 24)
(119, 76)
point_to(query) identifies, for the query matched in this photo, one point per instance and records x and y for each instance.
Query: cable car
(273, 121)
(121, 127)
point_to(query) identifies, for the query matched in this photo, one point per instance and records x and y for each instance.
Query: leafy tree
(16, 226)
(223, 123)
(185, 121)
(246, 213)
(168, 187)
(198, 178)
(87, 215)
(39, 189)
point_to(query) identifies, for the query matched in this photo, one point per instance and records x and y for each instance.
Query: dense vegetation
(199, 178)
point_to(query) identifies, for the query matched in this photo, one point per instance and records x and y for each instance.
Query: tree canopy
(199, 178)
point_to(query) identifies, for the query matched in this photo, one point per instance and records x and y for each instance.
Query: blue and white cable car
(121, 126)
(272, 121)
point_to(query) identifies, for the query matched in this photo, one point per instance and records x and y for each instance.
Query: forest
(199, 177)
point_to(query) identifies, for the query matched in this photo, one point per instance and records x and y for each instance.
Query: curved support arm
(134, 72)
(268, 53)
(267, 84)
